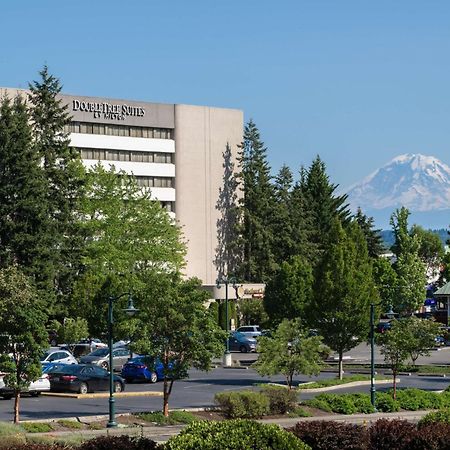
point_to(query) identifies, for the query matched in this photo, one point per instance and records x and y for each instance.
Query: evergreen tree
(256, 209)
(321, 204)
(25, 235)
(374, 241)
(228, 254)
(281, 218)
(65, 177)
(343, 290)
(289, 292)
(411, 271)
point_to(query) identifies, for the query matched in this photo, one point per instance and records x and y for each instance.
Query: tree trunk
(166, 397)
(341, 368)
(394, 384)
(16, 406)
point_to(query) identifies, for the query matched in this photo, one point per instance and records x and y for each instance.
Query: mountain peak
(419, 182)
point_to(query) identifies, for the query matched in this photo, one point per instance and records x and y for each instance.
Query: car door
(101, 377)
(64, 357)
(120, 357)
(88, 376)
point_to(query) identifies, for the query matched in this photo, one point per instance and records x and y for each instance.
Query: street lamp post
(390, 314)
(130, 310)
(226, 281)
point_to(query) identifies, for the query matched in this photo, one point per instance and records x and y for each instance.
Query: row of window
(147, 181)
(126, 155)
(119, 130)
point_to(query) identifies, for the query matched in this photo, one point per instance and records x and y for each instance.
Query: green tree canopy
(290, 351)
(373, 237)
(289, 293)
(344, 289)
(24, 337)
(175, 327)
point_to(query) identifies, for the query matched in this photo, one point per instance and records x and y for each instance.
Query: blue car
(143, 368)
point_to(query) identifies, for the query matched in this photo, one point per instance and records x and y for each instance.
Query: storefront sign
(111, 111)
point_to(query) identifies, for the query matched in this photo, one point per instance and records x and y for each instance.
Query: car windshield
(100, 352)
(45, 355)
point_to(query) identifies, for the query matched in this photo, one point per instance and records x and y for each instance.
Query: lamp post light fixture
(226, 281)
(131, 311)
(390, 315)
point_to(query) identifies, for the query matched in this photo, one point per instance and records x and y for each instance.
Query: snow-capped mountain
(421, 183)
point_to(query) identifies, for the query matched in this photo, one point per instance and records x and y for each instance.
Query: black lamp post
(390, 314)
(226, 281)
(131, 311)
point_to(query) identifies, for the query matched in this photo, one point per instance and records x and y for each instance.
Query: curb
(103, 394)
(345, 385)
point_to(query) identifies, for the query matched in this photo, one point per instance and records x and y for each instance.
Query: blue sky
(357, 82)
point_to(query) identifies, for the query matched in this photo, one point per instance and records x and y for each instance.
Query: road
(197, 391)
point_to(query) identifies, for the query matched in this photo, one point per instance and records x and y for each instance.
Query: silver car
(100, 357)
(58, 356)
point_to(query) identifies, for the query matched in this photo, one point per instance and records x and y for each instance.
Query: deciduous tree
(290, 351)
(24, 337)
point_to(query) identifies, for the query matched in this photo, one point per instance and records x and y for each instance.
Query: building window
(119, 130)
(125, 155)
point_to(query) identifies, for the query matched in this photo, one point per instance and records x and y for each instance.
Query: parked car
(84, 347)
(239, 342)
(143, 368)
(35, 388)
(250, 330)
(100, 357)
(83, 378)
(382, 327)
(61, 356)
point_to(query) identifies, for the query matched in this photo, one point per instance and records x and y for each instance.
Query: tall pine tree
(321, 204)
(66, 179)
(25, 234)
(373, 237)
(256, 209)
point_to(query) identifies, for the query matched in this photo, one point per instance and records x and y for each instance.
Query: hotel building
(175, 150)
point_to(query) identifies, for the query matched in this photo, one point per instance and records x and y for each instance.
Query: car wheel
(153, 377)
(243, 349)
(83, 389)
(104, 365)
(118, 386)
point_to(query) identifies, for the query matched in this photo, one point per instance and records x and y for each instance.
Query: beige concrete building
(174, 150)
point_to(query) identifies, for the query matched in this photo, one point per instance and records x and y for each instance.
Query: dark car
(240, 342)
(143, 368)
(382, 327)
(83, 378)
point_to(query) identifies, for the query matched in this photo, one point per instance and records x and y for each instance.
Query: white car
(59, 356)
(250, 330)
(34, 389)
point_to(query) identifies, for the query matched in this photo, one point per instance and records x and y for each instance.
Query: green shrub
(319, 404)
(242, 404)
(362, 403)
(414, 399)
(234, 435)
(299, 412)
(445, 399)
(183, 417)
(73, 424)
(385, 403)
(36, 427)
(341, 404)
(437, 416)
(281, 399)
(122, 442)
(329, 435)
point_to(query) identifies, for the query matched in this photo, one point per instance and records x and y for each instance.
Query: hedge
(236, 434)
(243, 404)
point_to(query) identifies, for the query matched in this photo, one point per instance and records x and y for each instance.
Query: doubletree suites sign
(111, 111)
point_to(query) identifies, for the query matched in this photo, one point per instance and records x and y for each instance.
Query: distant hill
(388, 236)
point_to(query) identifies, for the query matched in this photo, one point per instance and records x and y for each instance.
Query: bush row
(432, 433)
(407, 399)
(383, 434)
(251, 404)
